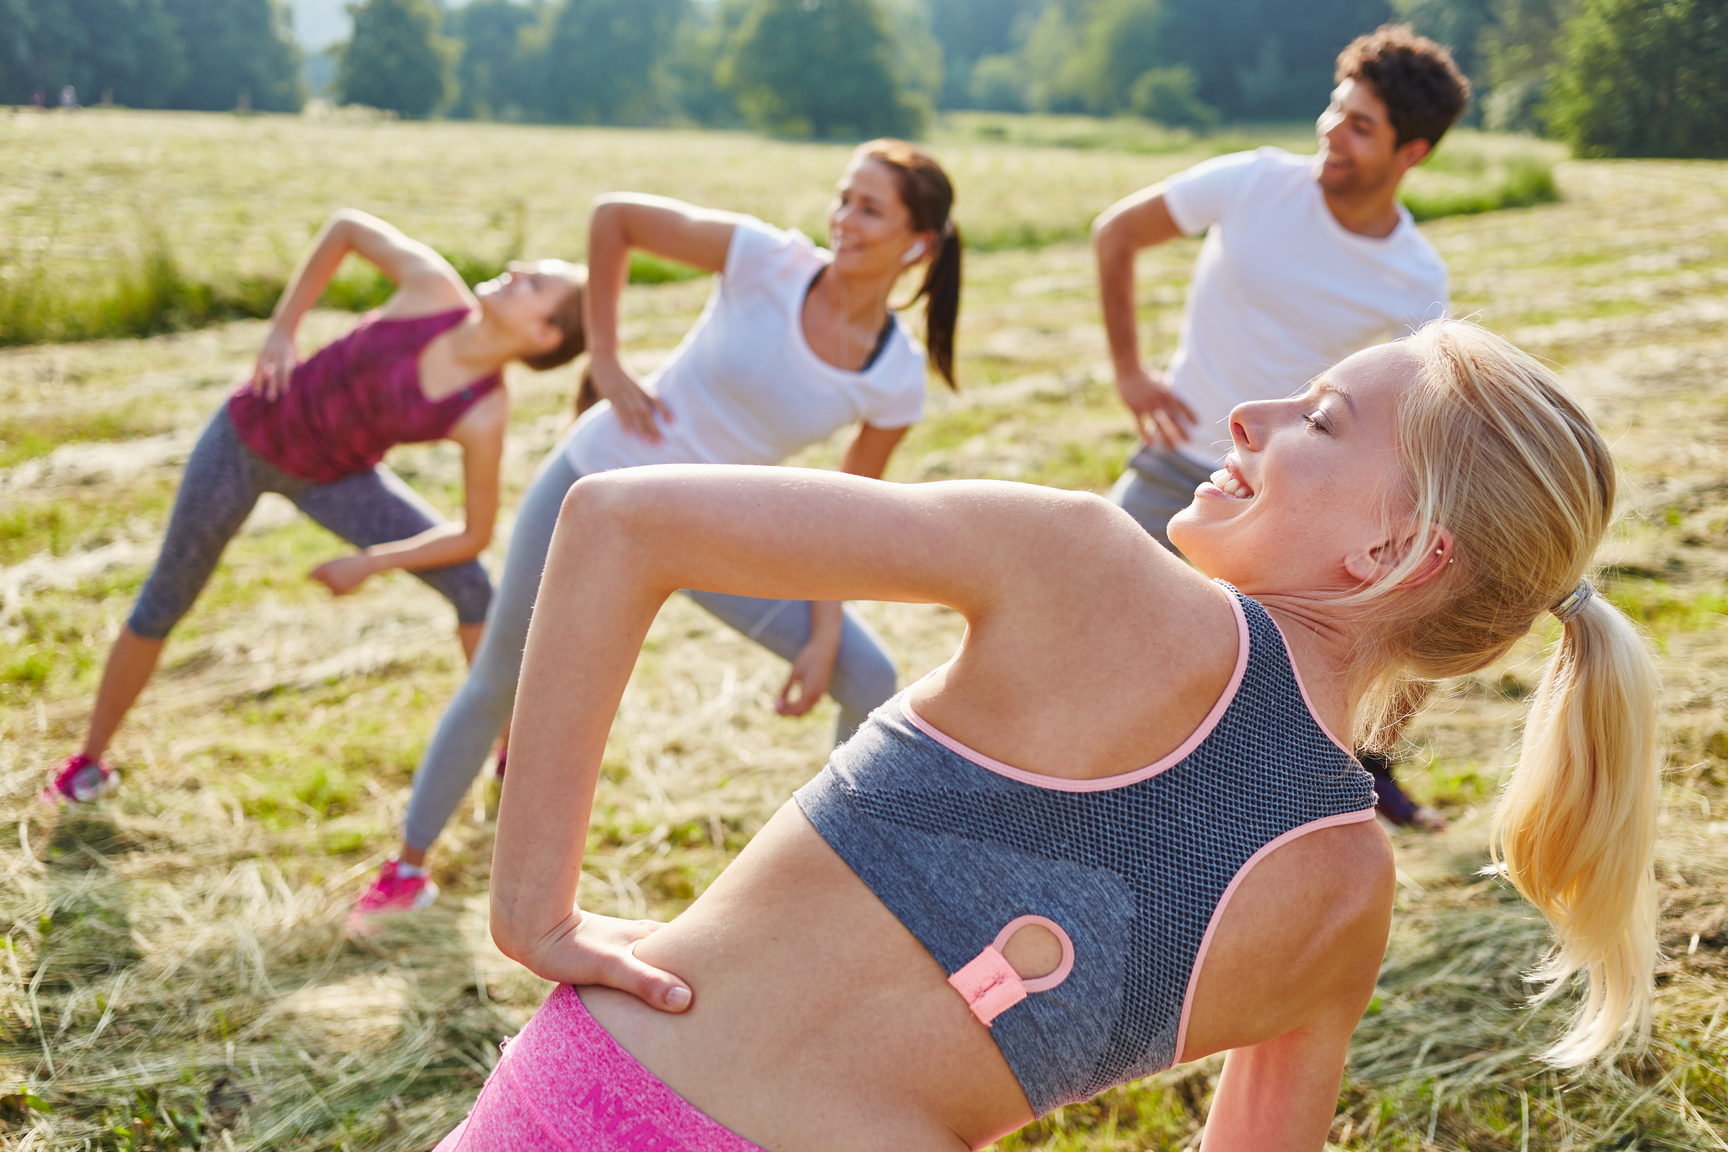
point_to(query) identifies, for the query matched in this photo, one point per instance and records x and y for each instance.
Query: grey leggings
(223, 481)
(864, 674)
(1157, 484)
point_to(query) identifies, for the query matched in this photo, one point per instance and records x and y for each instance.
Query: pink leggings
(564, 1084)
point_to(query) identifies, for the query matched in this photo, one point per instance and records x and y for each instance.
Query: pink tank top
(354, 400)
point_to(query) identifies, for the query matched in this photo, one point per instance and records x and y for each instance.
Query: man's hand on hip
(1159, 415)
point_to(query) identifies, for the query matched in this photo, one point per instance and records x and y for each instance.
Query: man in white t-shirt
(1306, 260)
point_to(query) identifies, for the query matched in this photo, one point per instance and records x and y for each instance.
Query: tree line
(212, 55)
(1612, 77)
(828, 68)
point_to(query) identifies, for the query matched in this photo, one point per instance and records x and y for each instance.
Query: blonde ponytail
(1497, 454)
(1575, 830)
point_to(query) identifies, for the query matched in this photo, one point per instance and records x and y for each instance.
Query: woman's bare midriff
(820, 1024)
(818, 1021)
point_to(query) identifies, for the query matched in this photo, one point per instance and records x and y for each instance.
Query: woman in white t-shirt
(796, 342)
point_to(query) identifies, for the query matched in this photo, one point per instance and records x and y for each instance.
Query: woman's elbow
(477, 541)
(500, 927)
(1104, 230)
(607, 212)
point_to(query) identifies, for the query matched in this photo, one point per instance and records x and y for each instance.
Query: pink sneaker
(390, 892)
(79, 779)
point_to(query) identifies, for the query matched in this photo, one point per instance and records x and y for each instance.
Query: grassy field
(174, 972)
(112, 228)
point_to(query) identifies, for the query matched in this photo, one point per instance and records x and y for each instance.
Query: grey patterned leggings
(222, 483)
(864, 674)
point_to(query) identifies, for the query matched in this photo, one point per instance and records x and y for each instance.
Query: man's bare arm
(1132, 223)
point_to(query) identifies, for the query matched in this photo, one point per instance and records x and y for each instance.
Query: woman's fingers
(788, 705)
(651, 985)
(811, 673)
(606, 953)
(638, 410)
(641, 412)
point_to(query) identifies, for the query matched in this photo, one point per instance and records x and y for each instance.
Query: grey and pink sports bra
(1130, 872)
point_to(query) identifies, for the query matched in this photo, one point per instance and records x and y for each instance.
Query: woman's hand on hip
(276, 363)
(345, 573)
(588, 949)
(638, 409)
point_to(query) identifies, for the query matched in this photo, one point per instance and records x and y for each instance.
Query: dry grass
(174, 973)
(133, 224)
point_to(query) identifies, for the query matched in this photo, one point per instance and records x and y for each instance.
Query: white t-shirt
(744, 386)
(1281, 290)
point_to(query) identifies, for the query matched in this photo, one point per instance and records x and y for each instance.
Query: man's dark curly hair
(1422, 88)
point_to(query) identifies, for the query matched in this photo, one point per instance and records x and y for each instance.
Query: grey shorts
(1157, 485)
(223, 481)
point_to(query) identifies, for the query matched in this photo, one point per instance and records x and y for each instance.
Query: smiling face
(1306, 494)
(525, 299)
(869, 226)
(1359, 151)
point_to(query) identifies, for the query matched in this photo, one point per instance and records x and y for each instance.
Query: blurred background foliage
(1608, 77)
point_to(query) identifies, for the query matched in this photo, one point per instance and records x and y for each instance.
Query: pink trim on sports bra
(1307, 703)
(1230, 890)
(1121, 780)
(990, 984)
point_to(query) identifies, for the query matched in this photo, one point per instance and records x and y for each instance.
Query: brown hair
(568, 318)
(929, 197)
(1422, 88)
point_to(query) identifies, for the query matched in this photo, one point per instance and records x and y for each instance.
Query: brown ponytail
(929, 197)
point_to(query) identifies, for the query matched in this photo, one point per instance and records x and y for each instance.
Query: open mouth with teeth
(1228, 483)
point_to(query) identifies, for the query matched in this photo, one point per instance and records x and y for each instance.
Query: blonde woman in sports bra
(1121, 828)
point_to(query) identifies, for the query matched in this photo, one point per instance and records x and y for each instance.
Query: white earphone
(913, 253)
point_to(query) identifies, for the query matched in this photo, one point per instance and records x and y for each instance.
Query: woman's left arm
(480, 432)
(813, 668)
(1002, 555)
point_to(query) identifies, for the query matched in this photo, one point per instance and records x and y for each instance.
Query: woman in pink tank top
(428, 365)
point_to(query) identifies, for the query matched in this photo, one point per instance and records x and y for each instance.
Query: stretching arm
(1000, 554)
(425, 282)
(813, 668)
(480, 432)
(669, 228)
(1127, 226)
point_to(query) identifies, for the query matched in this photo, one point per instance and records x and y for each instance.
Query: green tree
(1126, 62)
(396, 57)
(1056, 80)
(915, 56)
(822, 68)
(603, 60)
(1264, 59)
(1644, 78)
(129, 48)
(968, 32)
(996, 84)
(496, 70)
(1167, 96)
(692, 66)
(1520, 51)
(1458, 24)
(237, 51)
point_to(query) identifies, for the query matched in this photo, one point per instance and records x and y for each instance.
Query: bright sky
(321, 23)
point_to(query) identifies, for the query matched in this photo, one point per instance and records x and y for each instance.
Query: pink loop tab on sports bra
(989, 982)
